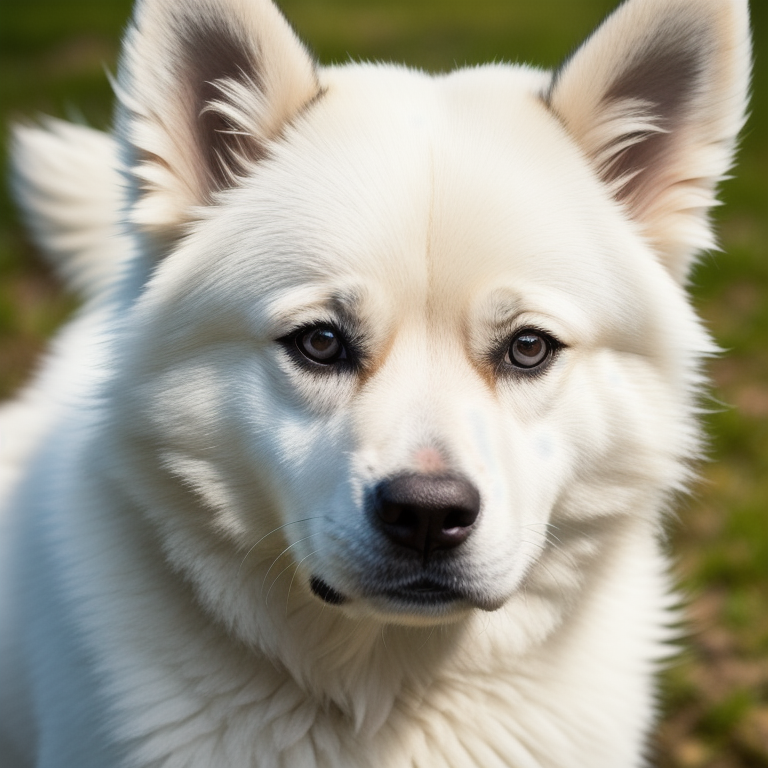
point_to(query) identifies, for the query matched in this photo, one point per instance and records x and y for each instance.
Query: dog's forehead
(435, 190)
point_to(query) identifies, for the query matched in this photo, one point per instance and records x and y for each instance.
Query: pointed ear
(656, 98)
(204, 86)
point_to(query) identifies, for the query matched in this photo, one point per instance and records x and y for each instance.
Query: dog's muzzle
(419, 516)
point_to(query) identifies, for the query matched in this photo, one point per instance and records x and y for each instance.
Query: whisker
(548, 534)
(274, 562)
(290, 586)
(274, 530)
(274, 581)
(558, 527)
(383, 636)
(542, 564)
(487, 623)
(556, 543)
(548, 525)
(428, 638)
(557, 546)
(524, 589)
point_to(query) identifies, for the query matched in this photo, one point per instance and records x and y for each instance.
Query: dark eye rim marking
(346, 359)
(509, 363)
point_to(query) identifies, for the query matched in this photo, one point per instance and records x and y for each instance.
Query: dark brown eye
(321, 345)
(529, 349)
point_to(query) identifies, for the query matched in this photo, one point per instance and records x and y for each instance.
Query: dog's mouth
(421, 593)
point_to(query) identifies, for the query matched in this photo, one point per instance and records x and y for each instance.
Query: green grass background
(715, 702)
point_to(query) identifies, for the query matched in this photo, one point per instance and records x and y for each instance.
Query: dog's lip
(325, 591)
(417, 594)
(429, 593)
(424, 591)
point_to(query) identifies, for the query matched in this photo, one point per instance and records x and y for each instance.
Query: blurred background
(53, 58)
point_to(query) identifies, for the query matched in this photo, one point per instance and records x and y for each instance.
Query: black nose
(427, 512)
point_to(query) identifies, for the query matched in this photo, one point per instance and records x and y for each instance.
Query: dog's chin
(419, 602)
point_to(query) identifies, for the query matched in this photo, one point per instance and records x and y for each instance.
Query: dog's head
(414, 345)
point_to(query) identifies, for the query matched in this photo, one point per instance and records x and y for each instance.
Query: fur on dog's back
(434, 546)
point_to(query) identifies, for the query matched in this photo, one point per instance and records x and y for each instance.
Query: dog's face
(420, 357)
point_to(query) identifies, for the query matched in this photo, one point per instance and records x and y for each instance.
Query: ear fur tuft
(656, 98)
(204, 86)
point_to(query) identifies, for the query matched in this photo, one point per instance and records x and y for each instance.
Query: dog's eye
(529, 349)
(321, 344)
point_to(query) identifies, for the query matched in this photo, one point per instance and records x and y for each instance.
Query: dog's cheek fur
(199, 424)
(608, 450)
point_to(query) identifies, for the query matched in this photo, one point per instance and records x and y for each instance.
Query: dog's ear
(656, 98)
(203, 86)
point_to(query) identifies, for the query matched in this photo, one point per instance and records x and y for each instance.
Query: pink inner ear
(429, 460)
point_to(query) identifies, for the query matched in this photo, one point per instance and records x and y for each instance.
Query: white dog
(360, 450)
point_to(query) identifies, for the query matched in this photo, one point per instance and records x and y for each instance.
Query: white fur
(174, 477)
(69, 189)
